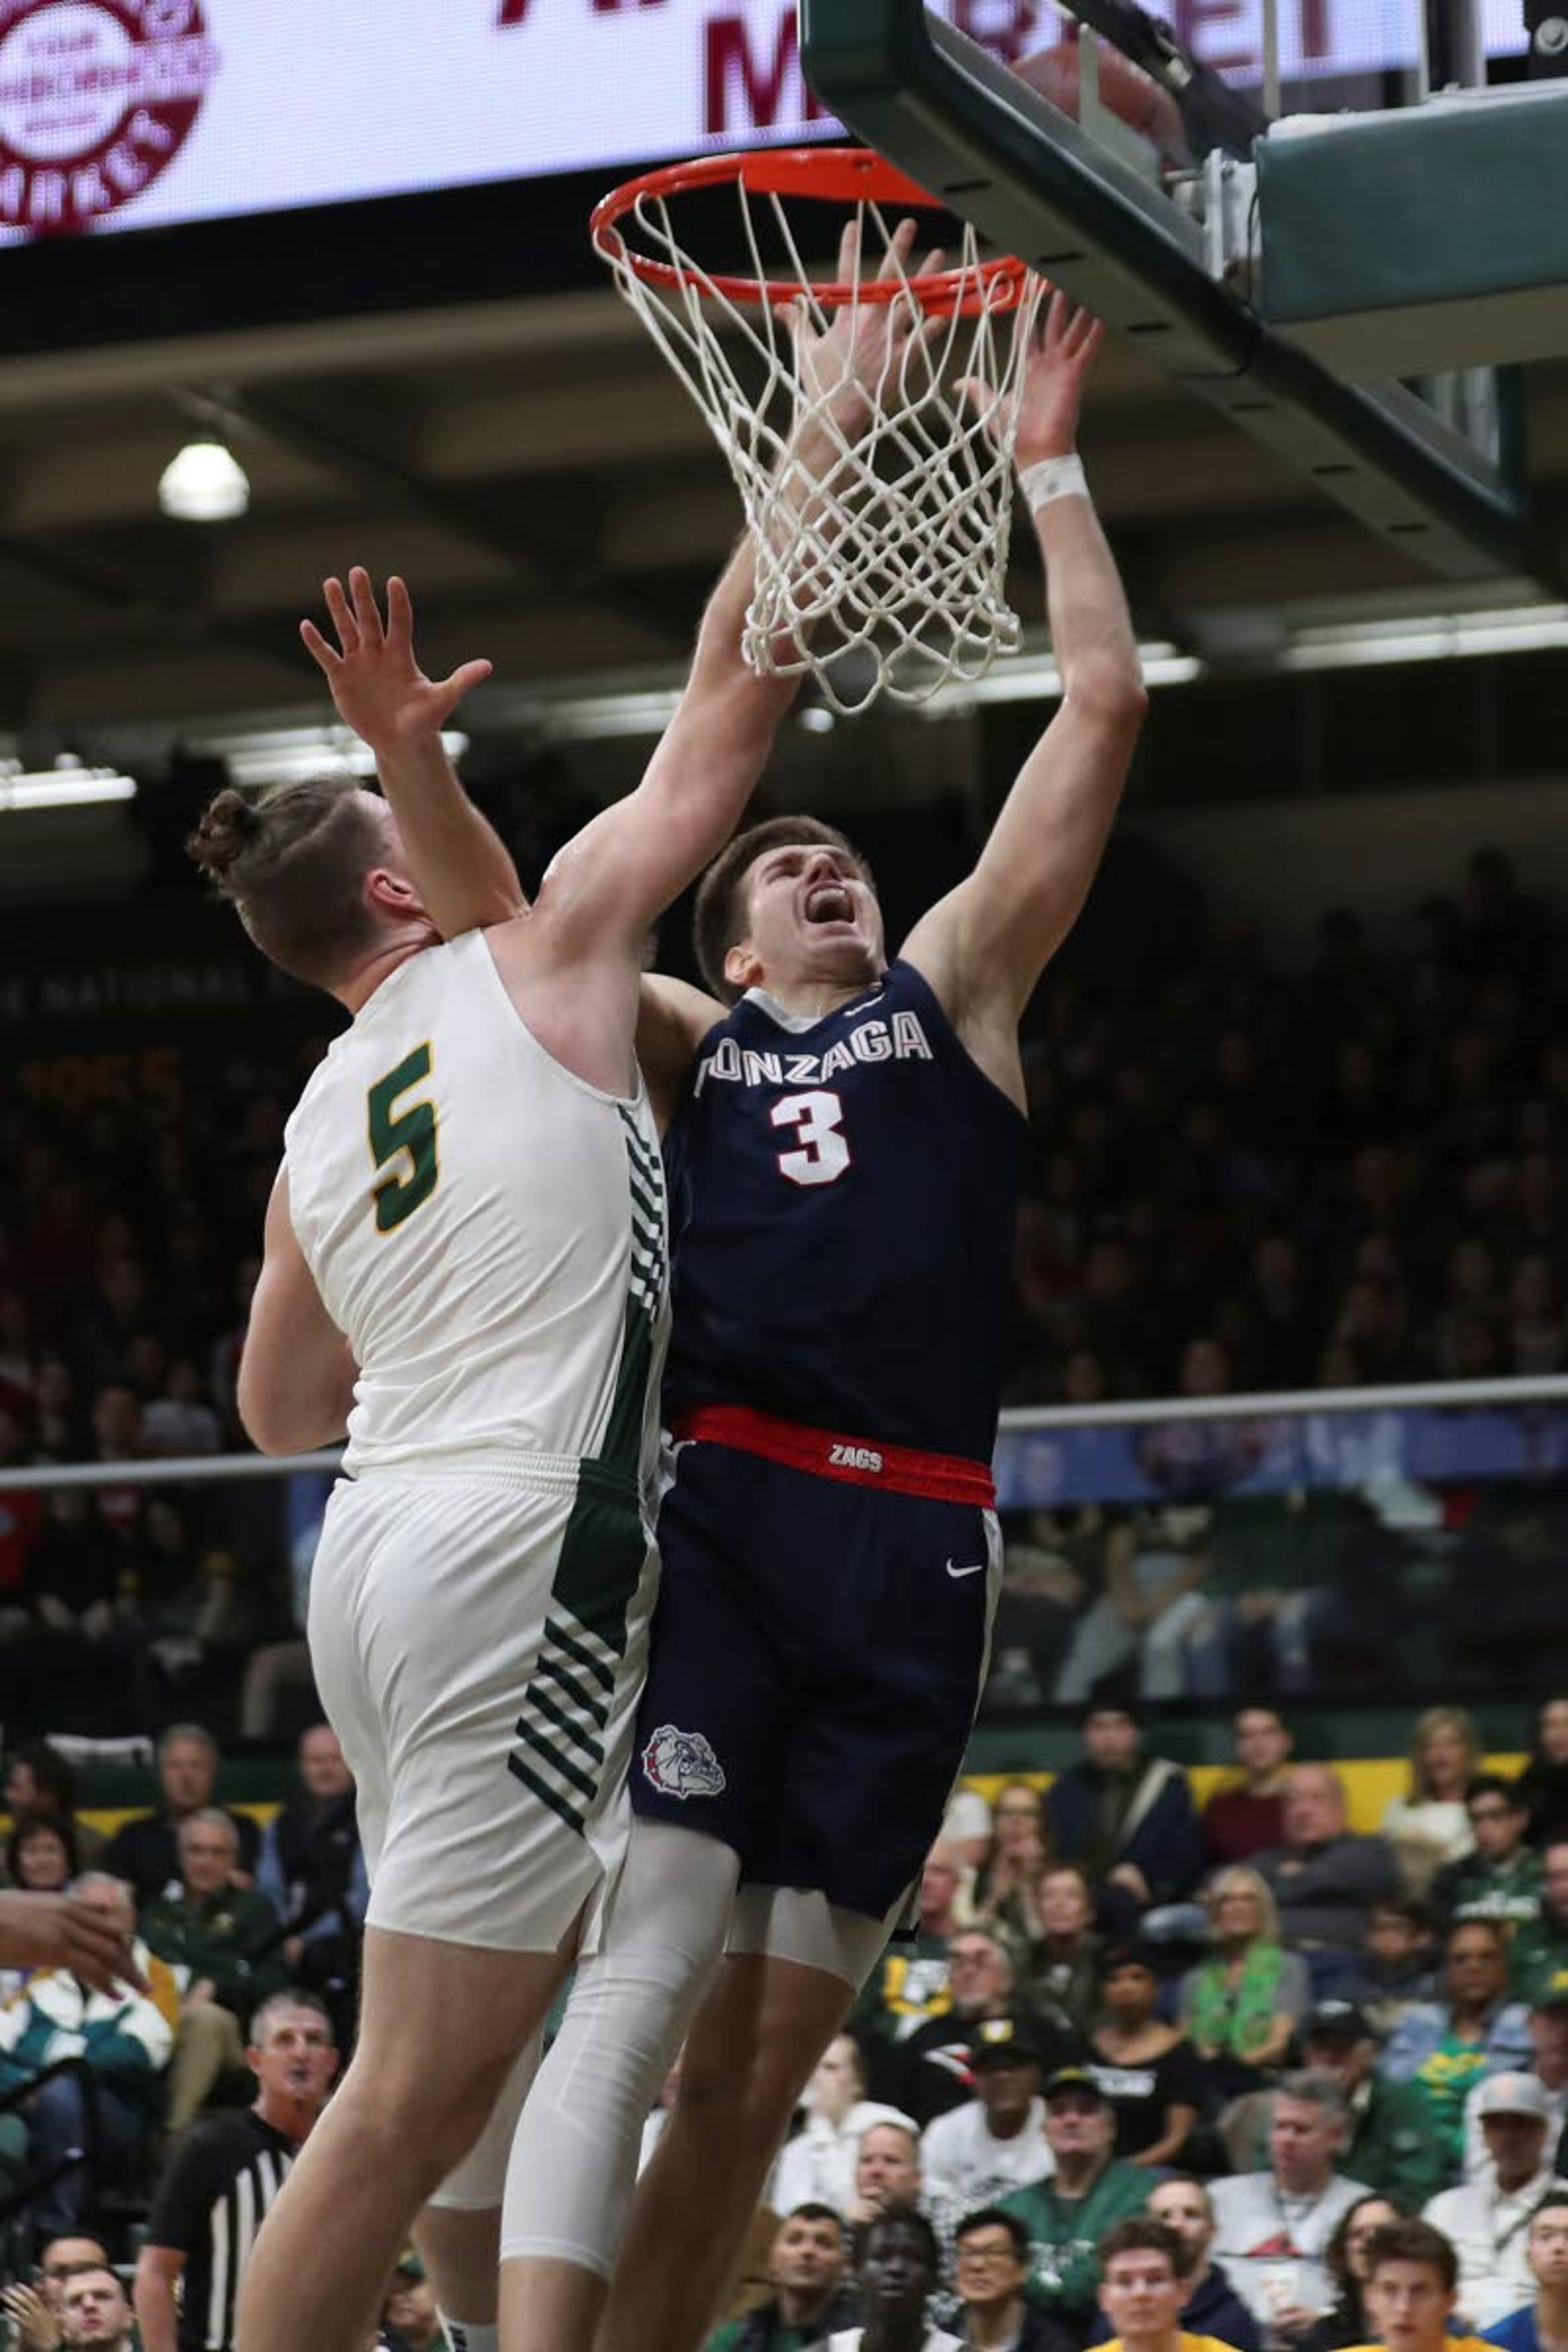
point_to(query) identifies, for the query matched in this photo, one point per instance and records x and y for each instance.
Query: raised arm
(616, 876)
(464, 870)
(626, 866)
(985, 946)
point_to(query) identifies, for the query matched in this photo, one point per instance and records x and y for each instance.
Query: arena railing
(1403, 1542)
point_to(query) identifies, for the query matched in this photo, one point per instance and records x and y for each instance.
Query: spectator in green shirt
(807, 2264)
(1391, 2145)
(1540, 1949)
(1068, 2215)
(224, 1945)
(1501, 1880)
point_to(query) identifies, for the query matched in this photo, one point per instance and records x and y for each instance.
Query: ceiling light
(256, 757)
(1034, 678)
(67, 784)
(1427, 637)
(206, 483)
(815, 719)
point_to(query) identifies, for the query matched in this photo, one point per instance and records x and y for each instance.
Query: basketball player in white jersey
(466, 1267)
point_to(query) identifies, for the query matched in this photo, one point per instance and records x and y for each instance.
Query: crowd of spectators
(1252, 1179)
(1231, 2045)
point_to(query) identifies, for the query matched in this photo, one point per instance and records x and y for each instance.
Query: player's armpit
(673, 1018)
(296, 1375)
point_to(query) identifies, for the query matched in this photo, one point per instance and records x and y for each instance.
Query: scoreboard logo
(96, 99)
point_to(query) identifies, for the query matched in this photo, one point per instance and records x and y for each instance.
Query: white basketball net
(890, 578)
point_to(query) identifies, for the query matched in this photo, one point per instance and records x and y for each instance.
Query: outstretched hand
(843, 366)
(1063, 343)
(376, 684)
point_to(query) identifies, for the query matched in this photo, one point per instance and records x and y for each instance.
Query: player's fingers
(463, 681)
(326, 656)
(399, 614)
(849, 253)
(895, 261)
(342, 613)
(367, 613)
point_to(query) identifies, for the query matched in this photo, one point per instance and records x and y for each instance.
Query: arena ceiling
(552, 497)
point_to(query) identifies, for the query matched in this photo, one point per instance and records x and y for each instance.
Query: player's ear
(394, 894)
(742, 968)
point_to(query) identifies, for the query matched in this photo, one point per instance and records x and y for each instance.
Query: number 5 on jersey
(822, 1152)
(410, 1132)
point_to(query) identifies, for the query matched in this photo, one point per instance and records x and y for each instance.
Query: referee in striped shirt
(223, 2175)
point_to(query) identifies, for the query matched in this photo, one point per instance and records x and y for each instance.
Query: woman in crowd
(1430, 1826)
(1007, 1890)
(817, 2166)
(41, 1854)
(1346, 2255)
(1145, 2067)
(1241, 2005)
(1063, 1975)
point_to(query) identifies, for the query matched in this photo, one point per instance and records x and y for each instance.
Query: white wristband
(1052, 477)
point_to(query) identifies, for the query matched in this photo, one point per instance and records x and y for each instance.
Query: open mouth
(829, 903)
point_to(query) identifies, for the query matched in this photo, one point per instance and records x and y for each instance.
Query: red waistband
(902, 1469)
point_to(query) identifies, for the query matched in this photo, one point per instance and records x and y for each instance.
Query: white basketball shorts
(479, 1638)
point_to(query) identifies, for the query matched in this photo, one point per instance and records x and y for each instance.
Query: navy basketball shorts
(817, 1655)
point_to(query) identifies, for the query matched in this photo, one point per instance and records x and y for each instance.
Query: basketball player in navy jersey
(845, 1157)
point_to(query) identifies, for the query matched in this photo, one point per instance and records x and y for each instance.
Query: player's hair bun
(225, 830)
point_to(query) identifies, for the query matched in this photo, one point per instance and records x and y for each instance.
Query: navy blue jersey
(842, 1194)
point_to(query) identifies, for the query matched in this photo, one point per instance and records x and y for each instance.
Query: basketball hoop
(897, 556)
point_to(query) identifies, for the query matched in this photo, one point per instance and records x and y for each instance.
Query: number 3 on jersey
(410, 1131)
(822, 1152)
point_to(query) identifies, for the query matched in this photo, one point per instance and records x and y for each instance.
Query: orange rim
(843, 176)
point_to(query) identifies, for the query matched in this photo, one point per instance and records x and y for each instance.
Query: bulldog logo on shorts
(682, 1764)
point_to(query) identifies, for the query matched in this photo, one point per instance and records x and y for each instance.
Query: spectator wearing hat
(1146, 2068)
(991, 2266)
(409, 2316)
(1145, 2278)
(1273, 2225)
(1088, 2189)
(1548, 2045)
(1539, 1948)
(817, 2166)
(1412, 2290)
(995, 2142)
(1213, 2308)
(938, 2055)
(1501, 1878)
(1449, 2044)
(1488, 2219)
(1126, 1817)
(1391, 2145)
(1539, 2326)
(806, 2266)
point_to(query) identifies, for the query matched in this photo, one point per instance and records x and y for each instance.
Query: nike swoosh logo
(956, 1572)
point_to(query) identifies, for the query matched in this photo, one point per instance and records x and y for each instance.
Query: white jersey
(487, 1229)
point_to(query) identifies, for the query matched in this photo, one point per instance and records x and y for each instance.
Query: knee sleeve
(476, 2185)
(575, 2158)
(787, 1922)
